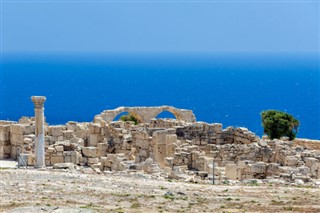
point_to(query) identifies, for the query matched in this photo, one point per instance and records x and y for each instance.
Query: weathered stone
(56, 159)
(89, 151)
(291, 161)
(59, 148)
(258, 168)
(93, 160)
(232, 172)
(63, 166)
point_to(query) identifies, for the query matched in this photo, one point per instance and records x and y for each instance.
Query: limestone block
(51, 150)
(27, 141)
(144, 144)
(59, 154)
(89, 151)
(109, 161)
(31, 159)
(71, 125)
(140, 135)
(59, 148)
(56, 130)
(103, 161)
(143, 153)
(63, 166)
(68, 153)
(4, 133)
(150, 167)
(16, 139)
(220, 140)
(68, 134)
(290, 161)
(258, 168)
(53, 139)
(81, 132)
(127, 137)
(78, 141)
(95, 128)
(310, 161)
(17, 129)
(93, 160)
(29, 130)
(56, 159)
(101, 149)
(67, 159)
(75, 159)
(304, 170)
(94, 139)
(245, 141)
(231, 172)
(318, 172)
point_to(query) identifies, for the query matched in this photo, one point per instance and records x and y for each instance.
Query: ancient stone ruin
(146, 114)
(180, 148)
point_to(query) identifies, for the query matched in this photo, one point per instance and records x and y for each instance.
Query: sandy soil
(25, 190)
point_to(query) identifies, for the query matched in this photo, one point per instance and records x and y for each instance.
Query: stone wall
(5, 142)
(310, 144)
(176, 147)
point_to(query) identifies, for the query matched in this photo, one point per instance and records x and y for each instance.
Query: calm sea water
(228, 89)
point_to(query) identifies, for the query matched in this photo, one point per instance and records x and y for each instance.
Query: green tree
(277, 124)
(129, 117)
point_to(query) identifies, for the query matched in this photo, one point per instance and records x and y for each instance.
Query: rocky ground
(29, 190)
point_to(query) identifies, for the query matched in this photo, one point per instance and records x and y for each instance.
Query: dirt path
(55, 191)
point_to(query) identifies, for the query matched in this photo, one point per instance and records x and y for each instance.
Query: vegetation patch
(129, 117)
(277, 124)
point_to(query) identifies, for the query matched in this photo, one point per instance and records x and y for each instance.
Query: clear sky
(169, 26)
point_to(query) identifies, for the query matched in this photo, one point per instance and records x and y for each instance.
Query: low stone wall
(310, 144)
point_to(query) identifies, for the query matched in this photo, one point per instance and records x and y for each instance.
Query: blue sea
(232, 89)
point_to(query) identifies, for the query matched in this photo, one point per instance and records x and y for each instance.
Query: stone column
(39, 118)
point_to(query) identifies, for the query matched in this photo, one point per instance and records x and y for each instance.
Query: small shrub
(135, 205)
(129, 117)
(277, 124)
(253, 183)
(288, 208)
(226, 182)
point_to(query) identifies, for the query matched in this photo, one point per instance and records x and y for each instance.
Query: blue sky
(137, 26)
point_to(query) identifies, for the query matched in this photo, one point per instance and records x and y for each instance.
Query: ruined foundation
(180, 148)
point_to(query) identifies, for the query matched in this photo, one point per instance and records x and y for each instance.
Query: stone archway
(165, 115)
(145, 114)
(120, 110)
(171, 110)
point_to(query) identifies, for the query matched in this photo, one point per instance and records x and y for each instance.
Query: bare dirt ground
(25, 190)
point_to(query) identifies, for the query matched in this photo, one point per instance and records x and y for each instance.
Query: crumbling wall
(174, 146)
(146, 114)
(310, 144)
(5, 142)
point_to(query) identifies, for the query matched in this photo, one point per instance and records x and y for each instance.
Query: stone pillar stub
(39, 118)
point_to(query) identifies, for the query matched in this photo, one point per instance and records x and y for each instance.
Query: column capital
(38, 101)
